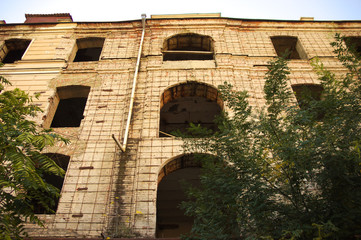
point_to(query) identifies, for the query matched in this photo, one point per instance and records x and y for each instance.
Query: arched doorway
(186, 103)
(171, 221)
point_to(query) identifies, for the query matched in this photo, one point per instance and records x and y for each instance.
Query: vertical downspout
(132, 96)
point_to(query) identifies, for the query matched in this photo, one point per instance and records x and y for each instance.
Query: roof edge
(195, 17)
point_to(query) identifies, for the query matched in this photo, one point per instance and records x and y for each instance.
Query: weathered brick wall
(104, 189)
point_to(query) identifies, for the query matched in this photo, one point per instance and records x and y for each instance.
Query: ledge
(189, 64)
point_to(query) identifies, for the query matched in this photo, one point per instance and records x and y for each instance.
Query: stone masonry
(109, 192)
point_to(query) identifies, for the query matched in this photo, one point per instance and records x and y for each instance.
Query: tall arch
(188, 46)
(190, 102)
(171, 221)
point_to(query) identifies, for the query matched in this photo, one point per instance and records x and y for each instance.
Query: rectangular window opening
(288, 47)
(13, 50)
(70, 106)
(88, 49)
(354, 45)
(69, 112)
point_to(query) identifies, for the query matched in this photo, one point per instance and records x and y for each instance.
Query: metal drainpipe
(126, 133)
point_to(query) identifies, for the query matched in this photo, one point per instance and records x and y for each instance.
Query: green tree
(285, 172)
(22, 166)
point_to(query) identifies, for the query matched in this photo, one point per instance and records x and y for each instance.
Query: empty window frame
(88, 49)
(354, 44)
(187, 103)
(307, 92)
(288, 47)
(13, 50)
(188, 46)
(57, 181)
(70, 107)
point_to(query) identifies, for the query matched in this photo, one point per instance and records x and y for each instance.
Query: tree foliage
(22, 166)
(285, 172)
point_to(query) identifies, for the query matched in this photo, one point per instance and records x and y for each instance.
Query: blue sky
(13, 11)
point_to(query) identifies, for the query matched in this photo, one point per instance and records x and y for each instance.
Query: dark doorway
(171, 221)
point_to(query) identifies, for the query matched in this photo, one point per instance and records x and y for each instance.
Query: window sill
(188, 64)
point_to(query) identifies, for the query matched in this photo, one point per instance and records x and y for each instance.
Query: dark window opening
(88, 49)
(69, 112)
(57, 181)
(288, 47)
(13, 50)
(354, 45)
(306, 94)
(189, 103)
(70, 109)
(171, 220)
(87, 54)
(188, 47)
(187, 55)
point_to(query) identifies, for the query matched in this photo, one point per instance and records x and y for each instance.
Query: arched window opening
(88, 49)
(188, 46)
(187, 103)
(70, 103)
(171, 221)
(57, 181)
(13, 50)
(288, 47)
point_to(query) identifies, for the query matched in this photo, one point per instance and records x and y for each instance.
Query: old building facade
(86, 74)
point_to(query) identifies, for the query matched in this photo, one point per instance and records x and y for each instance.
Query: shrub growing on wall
(286, 172)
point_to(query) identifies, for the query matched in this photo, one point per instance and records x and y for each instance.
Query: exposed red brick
(48, 18)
